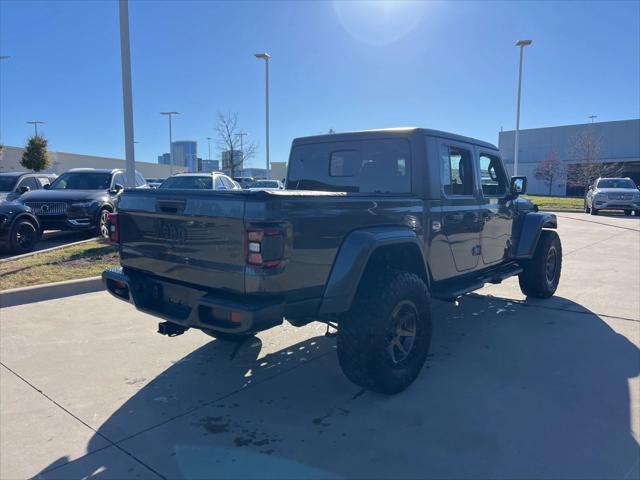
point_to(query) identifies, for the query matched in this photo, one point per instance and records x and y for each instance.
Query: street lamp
(521, 44)
(35, 124)
(3, 57)
(209, 145)
(170, 139)
(266, 58)
(241, 135)
(127, 95)
(593, 117)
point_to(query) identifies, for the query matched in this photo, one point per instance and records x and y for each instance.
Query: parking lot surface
(512, 388)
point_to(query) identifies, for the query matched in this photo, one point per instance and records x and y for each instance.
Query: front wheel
(23, 236)
(103, 224)
(384, 339)
(541, 274)
(594, 210)
(628, 212)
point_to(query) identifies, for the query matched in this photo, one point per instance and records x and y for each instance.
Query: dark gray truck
(372, 226)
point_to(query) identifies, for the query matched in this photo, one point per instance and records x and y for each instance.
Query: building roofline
(588, 124)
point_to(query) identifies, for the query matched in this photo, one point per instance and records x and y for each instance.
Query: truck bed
(200, 237)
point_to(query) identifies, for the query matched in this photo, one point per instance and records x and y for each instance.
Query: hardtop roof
(390, 133)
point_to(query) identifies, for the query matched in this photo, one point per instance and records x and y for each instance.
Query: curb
(562, 210)
(31, 254)
(49, 291)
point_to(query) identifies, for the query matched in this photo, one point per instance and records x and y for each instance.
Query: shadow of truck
(511, 390)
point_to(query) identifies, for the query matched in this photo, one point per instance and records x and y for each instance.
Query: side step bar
(459, 288)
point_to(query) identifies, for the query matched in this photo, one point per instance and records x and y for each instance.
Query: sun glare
(378, 22)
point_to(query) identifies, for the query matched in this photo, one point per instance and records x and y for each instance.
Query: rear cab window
(362, 166)
(457, 171)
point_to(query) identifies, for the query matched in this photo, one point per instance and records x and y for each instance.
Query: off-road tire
(23, 236)
(229, 337)
(534, 279)
(363, 333)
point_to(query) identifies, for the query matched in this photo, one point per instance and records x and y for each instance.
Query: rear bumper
(191, 307)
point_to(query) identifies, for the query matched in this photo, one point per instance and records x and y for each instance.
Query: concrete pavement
(512, 388)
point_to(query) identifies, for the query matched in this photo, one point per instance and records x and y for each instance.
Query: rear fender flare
(351, 262)
(532, 226)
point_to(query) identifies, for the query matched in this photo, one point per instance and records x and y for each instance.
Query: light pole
(127, 95)
(593, 117)
(241, 135)
(3, 57)
(521, 44)
(209, 145)
(170, 140)
(266, 58)
(35, 124)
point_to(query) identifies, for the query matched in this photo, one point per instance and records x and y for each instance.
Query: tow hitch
(171, 329)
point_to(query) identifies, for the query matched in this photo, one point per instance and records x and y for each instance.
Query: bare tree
(233, 149)
(548, 169)
(586, 148)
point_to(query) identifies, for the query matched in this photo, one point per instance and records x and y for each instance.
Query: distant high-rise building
(231, 155)
(210, 165)
(185, 154)
(164, 159)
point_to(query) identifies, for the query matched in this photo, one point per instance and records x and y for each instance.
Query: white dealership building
(616, 142)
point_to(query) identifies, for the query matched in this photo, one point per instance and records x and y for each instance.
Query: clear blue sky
(347, 66)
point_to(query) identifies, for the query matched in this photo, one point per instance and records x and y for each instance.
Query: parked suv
(14, 184)
(612, 194)
(372, 227)
(200, 181)
(79, 199)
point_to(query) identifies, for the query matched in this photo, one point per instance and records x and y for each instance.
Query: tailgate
(189, 236)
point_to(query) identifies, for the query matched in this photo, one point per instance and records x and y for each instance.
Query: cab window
(457, 171)
(492, 176)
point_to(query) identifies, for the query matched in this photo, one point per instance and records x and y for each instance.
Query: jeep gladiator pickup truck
(372, 226)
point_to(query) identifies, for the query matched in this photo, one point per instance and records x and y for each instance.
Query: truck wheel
(228, 337)
(541, 274)
(24, 236)
(384, 339)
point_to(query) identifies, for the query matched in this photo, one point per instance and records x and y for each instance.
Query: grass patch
(69, 263)
(556, 203)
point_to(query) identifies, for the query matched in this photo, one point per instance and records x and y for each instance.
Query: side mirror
(518, 186)
(117, 188)
(47, 186)
(23, 189)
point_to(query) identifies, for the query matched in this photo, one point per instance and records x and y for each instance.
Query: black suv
(79, 199)
(14, 184)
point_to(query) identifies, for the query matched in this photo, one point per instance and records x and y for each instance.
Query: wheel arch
(530, 230)
(364, 249)
(26, 216)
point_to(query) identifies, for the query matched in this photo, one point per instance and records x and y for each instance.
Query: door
(497, 213)
(460, 211)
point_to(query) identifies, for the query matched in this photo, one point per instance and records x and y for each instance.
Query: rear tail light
(114, 227)
(265, 247)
